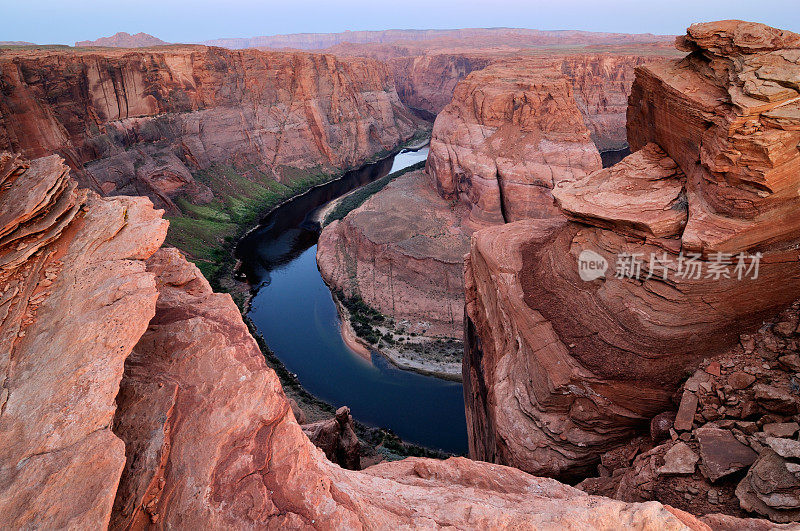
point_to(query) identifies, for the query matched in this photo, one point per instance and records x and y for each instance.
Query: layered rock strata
(75, 300)
(203, 435)
(145, 122)
(511, 133)
(402, 253)
(570, 354)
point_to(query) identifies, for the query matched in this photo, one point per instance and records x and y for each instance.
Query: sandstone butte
(125, 40)
(558, 371)
(145, 122)
(133, 396)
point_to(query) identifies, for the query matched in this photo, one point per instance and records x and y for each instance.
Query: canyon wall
(512, 132)
(601, 84)
(580, 330)
(133, 396)
(145, 122)
(426, 83)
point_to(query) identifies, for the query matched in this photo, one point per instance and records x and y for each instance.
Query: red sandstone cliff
(142, 122)
(512, 132)
(559, 370)
(203, 435)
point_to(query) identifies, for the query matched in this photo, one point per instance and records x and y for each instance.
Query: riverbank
(430, 356)
(211, 245)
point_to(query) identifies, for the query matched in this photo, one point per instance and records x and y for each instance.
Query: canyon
(132, 395)
(167, 124)
(515, 128)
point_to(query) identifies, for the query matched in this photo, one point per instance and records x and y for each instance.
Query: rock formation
(145, 122)
(579, 331)
(75, 300)
(511, 133)
(203, 435)
(402, 252)
(125, 40)
(741, 410)
(337, 439)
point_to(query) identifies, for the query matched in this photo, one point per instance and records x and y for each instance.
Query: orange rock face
(142, 122)
(588, 361)
(511, 133)
(75, 299)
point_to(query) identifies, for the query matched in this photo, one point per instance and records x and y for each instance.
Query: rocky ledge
(133, 396)
(579, 331)
(729, 443)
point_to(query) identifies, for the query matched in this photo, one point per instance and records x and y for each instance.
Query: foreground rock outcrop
(75, 300)
(203, 435)
(580, 331)
(731, 442)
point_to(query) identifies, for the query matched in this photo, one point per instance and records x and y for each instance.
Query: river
(294, 311)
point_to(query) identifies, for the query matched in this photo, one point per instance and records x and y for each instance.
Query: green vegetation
(363, 317)
(208, 232)
(357, 198)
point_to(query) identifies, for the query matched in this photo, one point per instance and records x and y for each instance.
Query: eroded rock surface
(511, 133)
(559, 369)
(75, 299)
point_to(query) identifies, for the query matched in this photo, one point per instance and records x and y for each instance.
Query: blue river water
(294, 311)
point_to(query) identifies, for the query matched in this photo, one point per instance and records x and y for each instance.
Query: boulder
(722, 454)
(679, 460)
(769, 489)
(337, 439)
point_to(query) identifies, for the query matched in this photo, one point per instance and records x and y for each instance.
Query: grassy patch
(363, 317)
(208, 232)
(357, 198)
